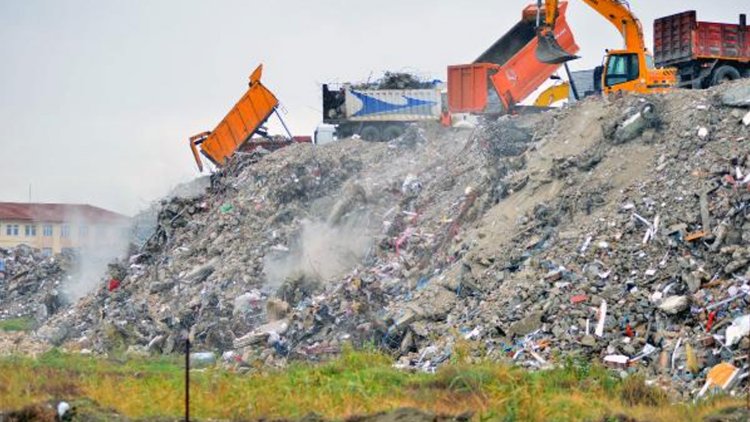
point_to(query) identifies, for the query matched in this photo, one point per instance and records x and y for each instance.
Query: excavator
(628, 70)
(553, 94)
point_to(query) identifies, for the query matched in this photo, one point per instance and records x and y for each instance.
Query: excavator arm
(617, 12)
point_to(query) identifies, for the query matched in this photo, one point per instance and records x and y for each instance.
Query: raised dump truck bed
(705, 53)
(244, 120)
(508, 71)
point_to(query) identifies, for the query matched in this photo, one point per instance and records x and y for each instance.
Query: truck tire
(392, 132)
(371, 133)
(725, 73)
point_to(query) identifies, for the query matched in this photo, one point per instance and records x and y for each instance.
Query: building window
(11, 230)
(47, 230)
(47, 252)
(29, 230)
(65, 230)
(83, 231)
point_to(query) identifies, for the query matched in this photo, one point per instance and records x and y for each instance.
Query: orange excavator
(630, 69)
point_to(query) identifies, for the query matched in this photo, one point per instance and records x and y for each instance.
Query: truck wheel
(392, 132)
(725, 73)
(370, 133)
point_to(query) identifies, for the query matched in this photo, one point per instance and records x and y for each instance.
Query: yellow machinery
(630, 69)
(553, 94)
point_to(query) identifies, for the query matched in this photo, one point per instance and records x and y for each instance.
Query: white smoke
(96, 245)
(322, 252)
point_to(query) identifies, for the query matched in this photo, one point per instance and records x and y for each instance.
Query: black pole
(187, 380)
(572, 83)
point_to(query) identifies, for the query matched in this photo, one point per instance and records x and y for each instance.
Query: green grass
(17, 324)
(354, 384)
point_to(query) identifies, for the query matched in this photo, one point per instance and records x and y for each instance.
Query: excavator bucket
(548, 50)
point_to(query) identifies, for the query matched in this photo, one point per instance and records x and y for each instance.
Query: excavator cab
(621, 68)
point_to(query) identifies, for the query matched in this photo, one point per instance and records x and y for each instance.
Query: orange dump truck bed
(240, 124)
(507, 72)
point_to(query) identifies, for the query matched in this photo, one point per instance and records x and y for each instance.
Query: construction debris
(32, 284)
(531, 237)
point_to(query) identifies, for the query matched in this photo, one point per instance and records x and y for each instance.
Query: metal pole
(538, 13)
(572, 83)
(276, 110)
(187, 379)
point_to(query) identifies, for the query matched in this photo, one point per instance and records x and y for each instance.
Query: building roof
(58, 213)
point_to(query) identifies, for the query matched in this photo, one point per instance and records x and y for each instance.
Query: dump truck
(380, 111)
(242, 129)
(508, 72)
(704, 53)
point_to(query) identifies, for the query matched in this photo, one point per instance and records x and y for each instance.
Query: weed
(634, 392)
(356, 383)
(17, 324)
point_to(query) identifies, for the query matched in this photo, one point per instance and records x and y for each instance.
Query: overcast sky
(99, 97)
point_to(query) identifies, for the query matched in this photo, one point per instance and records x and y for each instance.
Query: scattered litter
(722, 376)
(739, 329)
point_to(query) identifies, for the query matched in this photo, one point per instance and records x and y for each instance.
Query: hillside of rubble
(616, 230)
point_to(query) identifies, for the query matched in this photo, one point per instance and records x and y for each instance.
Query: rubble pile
(632, 253)
(31, 283)
(398, 80)
(616, 230)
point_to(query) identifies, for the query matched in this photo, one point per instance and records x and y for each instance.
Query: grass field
(356, 383)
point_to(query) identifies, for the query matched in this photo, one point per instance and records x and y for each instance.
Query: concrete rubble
(31, 284)
(591, 231)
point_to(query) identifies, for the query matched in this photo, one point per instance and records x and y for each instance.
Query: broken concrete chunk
(527, 325)
(674, 305)
(736, 96)
(161, 286)
(635, 124)
(53, 335)
(693, 280)
(200, 273)
(588, 341)
(262, 333)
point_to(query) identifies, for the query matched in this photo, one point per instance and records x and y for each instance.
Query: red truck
(704, 53)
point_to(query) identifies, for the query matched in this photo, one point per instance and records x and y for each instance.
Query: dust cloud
(321, 252)
(102, 244)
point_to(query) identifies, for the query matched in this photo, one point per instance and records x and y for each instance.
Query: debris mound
(616, 230)
(31, 284)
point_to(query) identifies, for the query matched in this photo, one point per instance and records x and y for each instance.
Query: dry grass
(357, 383)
